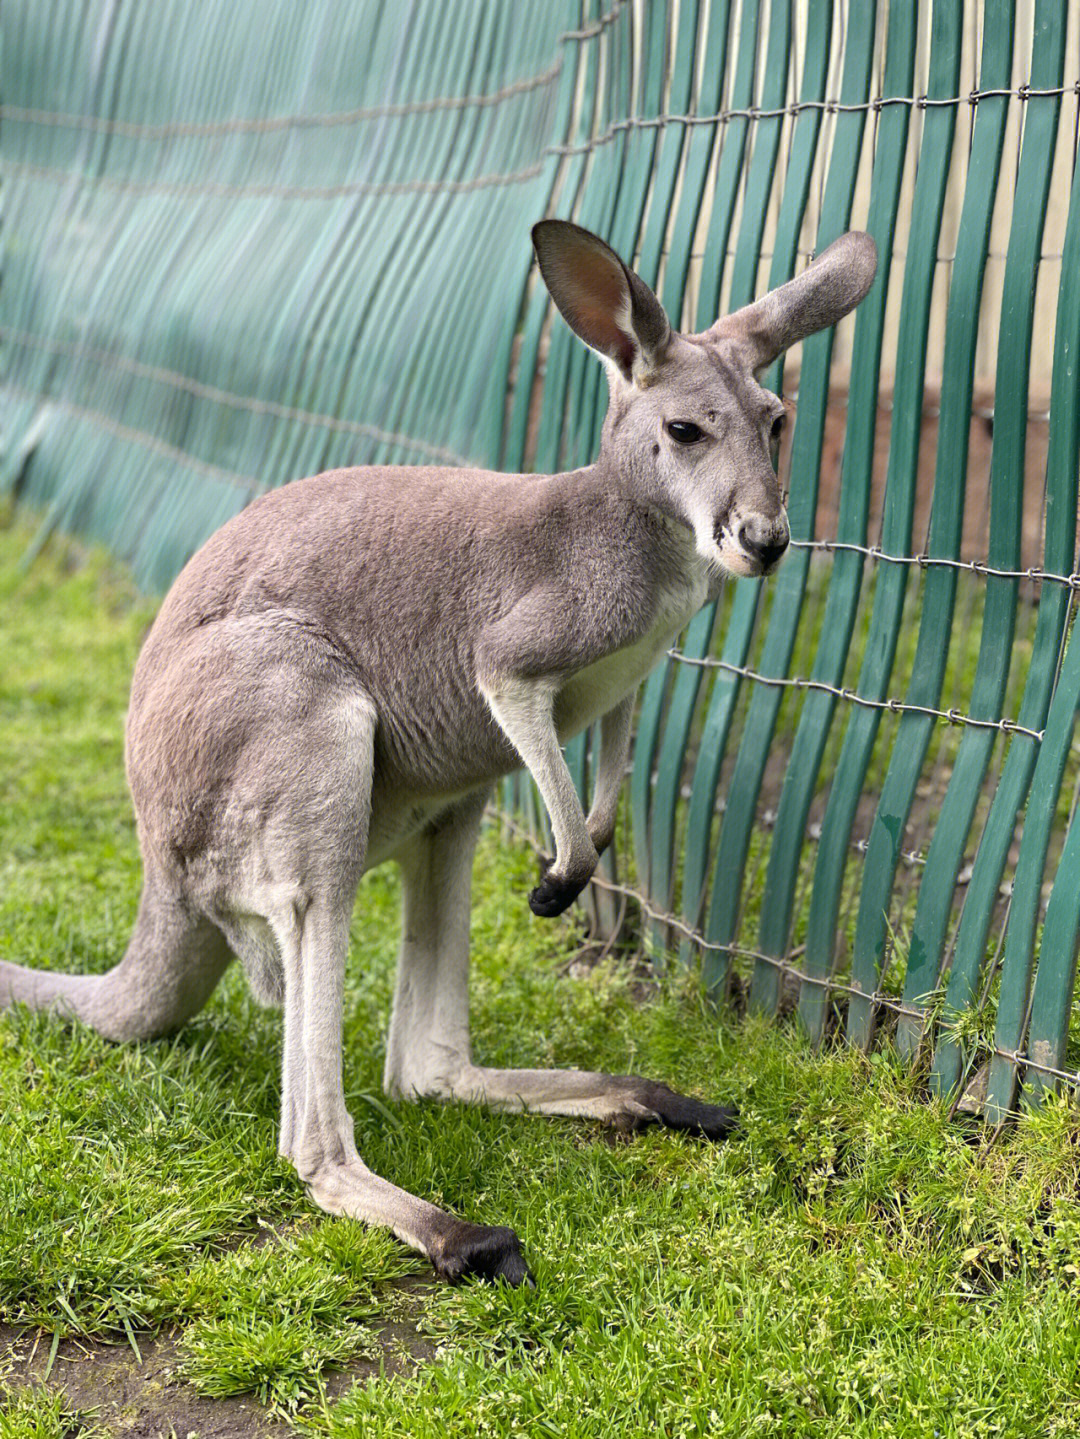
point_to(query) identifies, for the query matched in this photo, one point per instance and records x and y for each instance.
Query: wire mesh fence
(854, 788)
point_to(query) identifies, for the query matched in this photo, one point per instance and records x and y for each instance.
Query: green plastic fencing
(245, 242)
(248, 240)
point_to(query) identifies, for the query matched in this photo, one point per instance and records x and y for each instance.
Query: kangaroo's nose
(764, 540)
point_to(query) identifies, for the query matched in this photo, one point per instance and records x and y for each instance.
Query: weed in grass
(41, 1414)
(279, 1360)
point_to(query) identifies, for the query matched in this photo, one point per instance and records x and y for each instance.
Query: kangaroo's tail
(172, 964)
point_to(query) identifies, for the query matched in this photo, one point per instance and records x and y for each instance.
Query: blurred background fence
(245, 242)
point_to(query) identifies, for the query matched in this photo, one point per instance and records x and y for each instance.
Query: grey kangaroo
(339, 675)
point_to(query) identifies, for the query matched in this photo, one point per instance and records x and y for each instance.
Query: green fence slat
(1056, 979)
(760, 169)
(565, 434)
(672, 138)
(730, 163)
(623, 230)
(624, 227)
(714, 737)
(845, 582)
(580, 66)
(562, 345)
(1051, 1003)
(699, 148)
(939, 125)
(685, 686)
(790, 584)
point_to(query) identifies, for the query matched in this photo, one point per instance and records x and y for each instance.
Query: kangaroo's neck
(604, 508)
(614, 482)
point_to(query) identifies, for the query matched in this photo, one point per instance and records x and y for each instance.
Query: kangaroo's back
(361, 552)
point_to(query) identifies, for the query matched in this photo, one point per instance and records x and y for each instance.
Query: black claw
(486, 1251)
(553, 895)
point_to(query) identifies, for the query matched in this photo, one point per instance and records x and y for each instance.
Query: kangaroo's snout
(764, 541)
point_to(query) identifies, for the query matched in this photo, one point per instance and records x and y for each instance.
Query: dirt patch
(105, 1383)
(402, 1347)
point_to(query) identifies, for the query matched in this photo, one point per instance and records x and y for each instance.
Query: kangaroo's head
(689, 428)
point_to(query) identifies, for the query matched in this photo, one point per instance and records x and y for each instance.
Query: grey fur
(342, 671)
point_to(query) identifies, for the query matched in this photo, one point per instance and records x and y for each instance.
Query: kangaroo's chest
(591, 692)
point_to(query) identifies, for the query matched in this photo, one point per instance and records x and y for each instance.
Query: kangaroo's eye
(684, 431)
(775, 431)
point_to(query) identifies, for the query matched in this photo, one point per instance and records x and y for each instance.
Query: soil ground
(147, 1397)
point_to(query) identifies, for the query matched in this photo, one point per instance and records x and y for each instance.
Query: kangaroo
(342, 671)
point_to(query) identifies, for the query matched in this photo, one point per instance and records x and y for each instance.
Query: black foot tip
(482, 1251)
(690, 1116)
(553, 895)
(715, 1121)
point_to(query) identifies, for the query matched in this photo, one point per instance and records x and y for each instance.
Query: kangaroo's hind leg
(428, 1051)
(312, 933)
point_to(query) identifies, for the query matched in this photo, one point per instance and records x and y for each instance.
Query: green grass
(855, 1265)
(38, 1414)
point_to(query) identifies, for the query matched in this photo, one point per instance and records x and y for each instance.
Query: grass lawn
(854, 1265)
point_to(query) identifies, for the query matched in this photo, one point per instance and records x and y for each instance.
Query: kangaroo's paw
(553, 894)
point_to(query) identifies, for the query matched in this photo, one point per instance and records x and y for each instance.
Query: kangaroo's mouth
(752, 547)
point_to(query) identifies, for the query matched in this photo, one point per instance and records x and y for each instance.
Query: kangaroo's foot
(456, 1248)
(625, 1101)
(672, 1110)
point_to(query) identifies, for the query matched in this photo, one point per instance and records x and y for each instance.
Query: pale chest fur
(591, 692)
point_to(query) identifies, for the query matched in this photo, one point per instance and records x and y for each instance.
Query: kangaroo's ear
(603, 302)
(825, 291)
